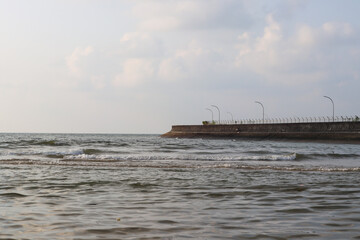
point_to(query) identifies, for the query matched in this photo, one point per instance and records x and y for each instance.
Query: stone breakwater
(336, 131)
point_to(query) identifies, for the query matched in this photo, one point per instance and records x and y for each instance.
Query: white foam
(82, 156)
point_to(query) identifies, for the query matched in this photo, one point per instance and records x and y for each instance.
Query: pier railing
(287, 120)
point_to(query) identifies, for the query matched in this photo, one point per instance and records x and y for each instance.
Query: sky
(141, 66)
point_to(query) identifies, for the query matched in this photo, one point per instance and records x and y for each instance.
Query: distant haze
(139, 66)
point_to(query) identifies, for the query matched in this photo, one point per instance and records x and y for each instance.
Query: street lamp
(232, 117)
(212, 114)
(332, 106)
(218, 111)
(262, 109)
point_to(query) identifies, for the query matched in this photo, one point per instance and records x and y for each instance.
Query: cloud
(143, 59)
(306, 36)
(195, 63)
(337, 29)
(172, 69)
(73, 61)
(139, 44)
(98, 82)
(309, 55)
(188, 14)
(272, 36)
(202, 58)
(135, 72)
(286, 10)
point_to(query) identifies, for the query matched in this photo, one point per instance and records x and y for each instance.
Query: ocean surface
(88, 186)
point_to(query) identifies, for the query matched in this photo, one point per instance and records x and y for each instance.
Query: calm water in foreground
(67, 186)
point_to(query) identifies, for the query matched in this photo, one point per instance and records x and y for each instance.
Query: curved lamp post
(212, 114)
(232, 117)
(218, 111)
(332, 106)
(262, 109)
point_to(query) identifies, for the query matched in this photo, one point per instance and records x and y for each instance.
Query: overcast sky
(140, 66)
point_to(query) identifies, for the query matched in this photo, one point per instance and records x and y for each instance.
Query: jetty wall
(344, 131)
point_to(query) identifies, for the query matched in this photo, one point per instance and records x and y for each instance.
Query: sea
(113, 186)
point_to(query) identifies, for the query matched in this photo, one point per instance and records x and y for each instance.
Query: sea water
(87, 186)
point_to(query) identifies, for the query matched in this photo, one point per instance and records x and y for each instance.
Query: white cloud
(306, 56)
(74, 60)
(189, 14)
(191, 63)
(273, 56)
(98, 82)
(306, 36)
(272, 36)
(139, 44)
(195, 63)
(337, 29)
(171, 69)
(135, 72)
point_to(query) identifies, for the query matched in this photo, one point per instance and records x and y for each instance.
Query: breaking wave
(83, 156)
(111, 163)
(152, 151)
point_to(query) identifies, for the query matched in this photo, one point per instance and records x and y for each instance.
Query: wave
(335, 155)
(24, 143)
(12, 195)
(90, 151)
(50, 143)
(41, 142)
(281, 157)
(55, 154)
(41, 153)
(115, 154)
(98, 154)
(180, 165)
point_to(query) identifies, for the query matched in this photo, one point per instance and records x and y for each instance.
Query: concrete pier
(327, 131)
